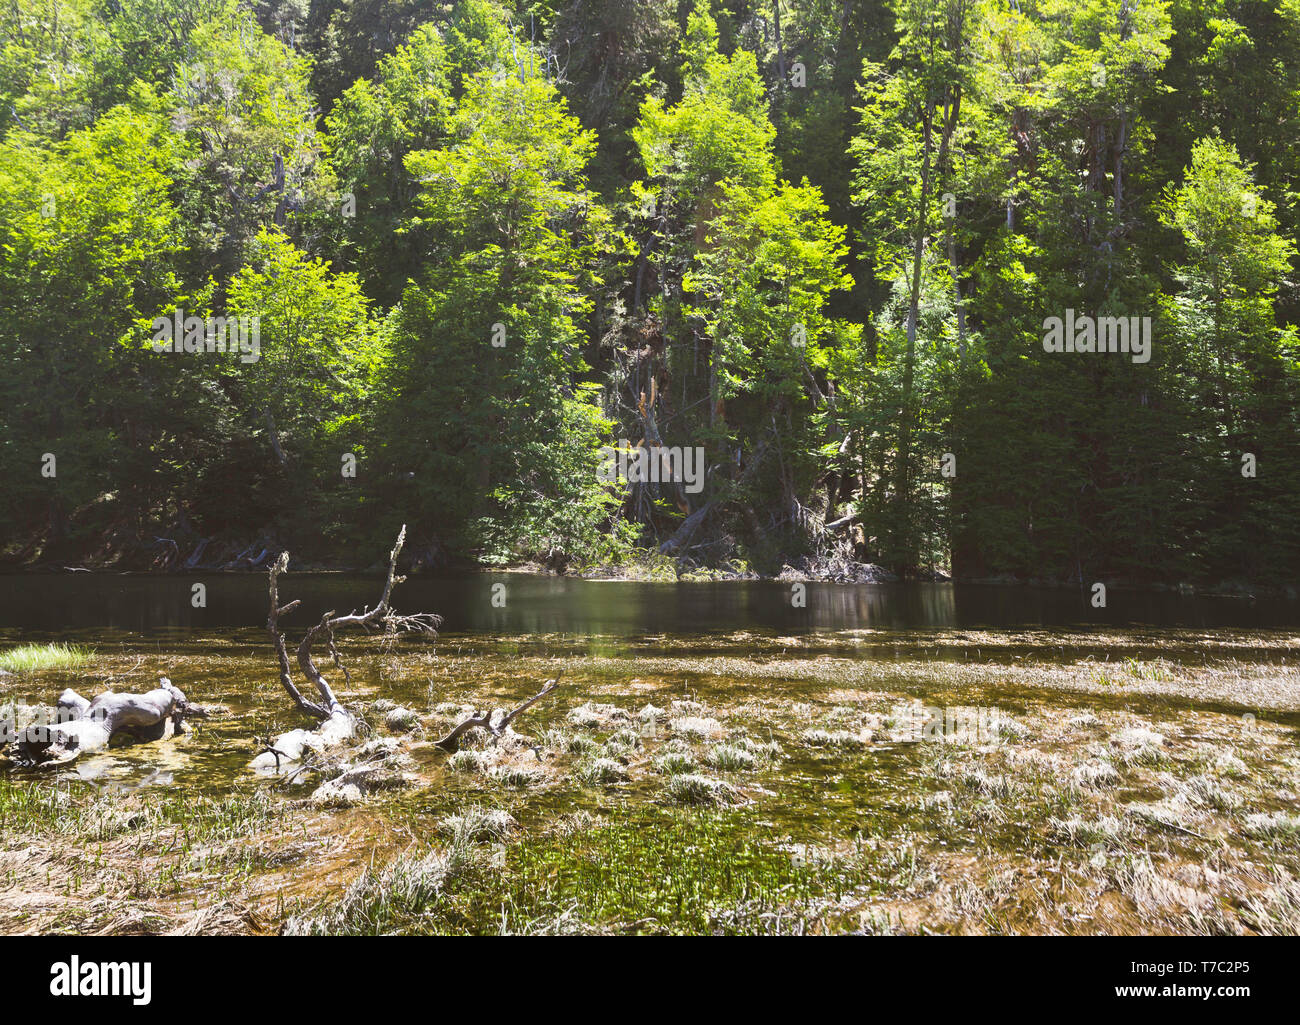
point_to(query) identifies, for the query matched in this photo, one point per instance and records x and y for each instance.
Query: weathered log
(81, 726)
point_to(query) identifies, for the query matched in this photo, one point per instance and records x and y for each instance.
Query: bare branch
(382, 614)
(281, 565)
(451, 742)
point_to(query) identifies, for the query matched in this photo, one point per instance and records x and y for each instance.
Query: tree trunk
(904, 473)
(336, 722)
(780, 53)
(274, 435)
(82, 726)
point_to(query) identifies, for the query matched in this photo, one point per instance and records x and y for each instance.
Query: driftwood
(337, 724)
(381, 615)
(483, 720)
(82, 725)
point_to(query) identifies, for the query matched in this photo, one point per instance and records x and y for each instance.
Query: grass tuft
(601, 772)
(730, 758)
(690, 788)
(33, 658)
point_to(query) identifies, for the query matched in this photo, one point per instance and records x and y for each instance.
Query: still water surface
(80, 603)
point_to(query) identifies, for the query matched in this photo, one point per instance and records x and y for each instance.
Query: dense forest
(995, 288)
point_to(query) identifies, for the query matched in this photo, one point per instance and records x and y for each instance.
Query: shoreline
(857, 574)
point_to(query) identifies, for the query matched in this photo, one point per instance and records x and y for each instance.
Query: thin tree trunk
(274, 435)
(780, 54)
(904, 476)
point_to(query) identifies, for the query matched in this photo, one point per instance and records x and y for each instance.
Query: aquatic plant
(33, 658)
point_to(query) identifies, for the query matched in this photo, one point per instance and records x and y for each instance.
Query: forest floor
(1112, 781)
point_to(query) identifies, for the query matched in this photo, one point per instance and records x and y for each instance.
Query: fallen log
(680, 540)
(81, 726)
(681, 537)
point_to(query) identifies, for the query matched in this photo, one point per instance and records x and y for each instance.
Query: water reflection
(48, 604)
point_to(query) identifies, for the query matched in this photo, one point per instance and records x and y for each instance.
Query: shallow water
(57, 603)
(769, 670)
(219, 654)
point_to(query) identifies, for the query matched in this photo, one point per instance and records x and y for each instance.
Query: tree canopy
(483, 245)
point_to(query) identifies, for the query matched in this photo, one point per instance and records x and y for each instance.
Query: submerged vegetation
(731, 784)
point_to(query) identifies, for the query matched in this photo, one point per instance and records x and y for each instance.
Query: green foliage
(406, 108)
(484, 240)
(505, 447)
(88, 236)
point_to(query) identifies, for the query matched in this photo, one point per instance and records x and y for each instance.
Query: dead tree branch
(382, 615)
(451, 742)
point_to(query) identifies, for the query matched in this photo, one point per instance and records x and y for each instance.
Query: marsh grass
(401, 720)
(1095, 775)
(843, 739)
(730, 758)
(1081, 833)
(1155, 803)
(675, 763)
(692, 788)
(32, 658)
(1272, 826)
(519, 777)
(682, 873)
(85, 812)
(467, 761)
(601, 772)
(391, 898)
(1275, 911)
(141, 853)
(1158, 670)
(477, 823)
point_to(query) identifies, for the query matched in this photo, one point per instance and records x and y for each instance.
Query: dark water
(80, 602)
